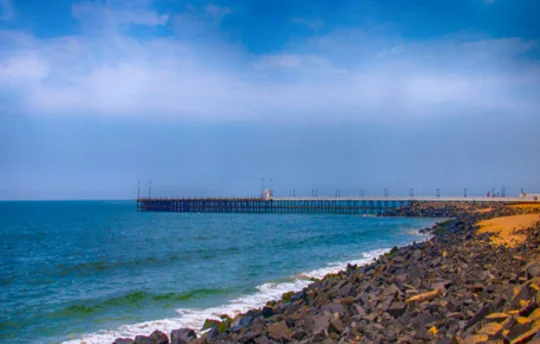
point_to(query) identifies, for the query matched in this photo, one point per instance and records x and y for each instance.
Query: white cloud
(341, 76)
(23, 68)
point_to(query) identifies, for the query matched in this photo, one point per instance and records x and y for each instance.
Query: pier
(300, 205)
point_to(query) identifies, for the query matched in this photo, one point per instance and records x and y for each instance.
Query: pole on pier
(385, 193)
(316, 192)
(138, 189)
(493, 192)
(503, 191)
(271, 185)
(149, 189)
(362, 195)
(465, 192)
(438, 193)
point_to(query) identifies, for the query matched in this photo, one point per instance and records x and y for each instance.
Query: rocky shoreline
(457, 287)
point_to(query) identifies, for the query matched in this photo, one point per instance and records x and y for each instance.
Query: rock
(249, 336)
(318, 323)
(525, 336)
(387, 302)
(476, 338)
(478, 287)
(212, 334)
(332, 308)
(491, 329)
(183, 336)
(279, 331)
(267, 311)
(533, 271)
(158, 337)
(142, 340)
(424, 296)
(210, 323)
(286, 297)
(262, 340)
(336, 326)
(123, 341)
(396, 309)
(498, 317)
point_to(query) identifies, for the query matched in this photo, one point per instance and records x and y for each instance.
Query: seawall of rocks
(458, 287)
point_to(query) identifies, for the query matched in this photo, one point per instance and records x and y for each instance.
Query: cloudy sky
(205, 98)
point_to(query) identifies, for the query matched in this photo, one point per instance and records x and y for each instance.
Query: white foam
(194, 318)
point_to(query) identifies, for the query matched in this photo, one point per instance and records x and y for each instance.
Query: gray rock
(333, 308)
(533, 271)
(267, 311)
(396, 309)
(142, 340)
(158, 337)
(183, 336)
(123, 341)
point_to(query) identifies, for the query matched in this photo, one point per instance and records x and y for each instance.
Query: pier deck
(300, 205)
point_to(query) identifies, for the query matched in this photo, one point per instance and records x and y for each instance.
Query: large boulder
(123, 341)
(279, 331)
(140, 339)
(183, 336)
(158, 337)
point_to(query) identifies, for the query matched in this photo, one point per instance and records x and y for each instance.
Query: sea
(92, 271)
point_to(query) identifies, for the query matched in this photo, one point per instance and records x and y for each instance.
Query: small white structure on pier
(267, 194)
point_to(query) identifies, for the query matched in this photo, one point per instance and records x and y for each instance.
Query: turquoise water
(96, 270)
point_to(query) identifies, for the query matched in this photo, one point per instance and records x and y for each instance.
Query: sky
(205, 98)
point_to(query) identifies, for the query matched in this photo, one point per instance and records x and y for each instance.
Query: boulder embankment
(463, 285)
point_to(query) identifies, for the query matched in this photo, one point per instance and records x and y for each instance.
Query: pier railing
(299, 205)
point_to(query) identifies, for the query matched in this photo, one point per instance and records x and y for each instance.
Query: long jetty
(301, 205)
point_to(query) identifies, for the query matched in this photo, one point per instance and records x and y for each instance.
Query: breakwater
(458, 287)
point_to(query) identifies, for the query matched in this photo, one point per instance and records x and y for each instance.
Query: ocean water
(94, 271)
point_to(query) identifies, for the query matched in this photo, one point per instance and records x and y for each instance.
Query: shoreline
(456, 287)
(271, 290)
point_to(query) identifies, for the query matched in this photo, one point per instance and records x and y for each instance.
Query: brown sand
(525, 205)
(484, 210)
(504, 229)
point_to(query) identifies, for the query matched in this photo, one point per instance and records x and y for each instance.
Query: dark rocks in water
(213, 333)
(210, 323)
(455, 288)
(123, 341)
(267, 311)
(158, 337)
(143, 340)
(183, 336)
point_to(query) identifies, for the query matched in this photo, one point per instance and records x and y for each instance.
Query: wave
(195, 317)
(135, 298)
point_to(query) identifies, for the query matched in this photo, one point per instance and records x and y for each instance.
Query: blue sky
(205, 98)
